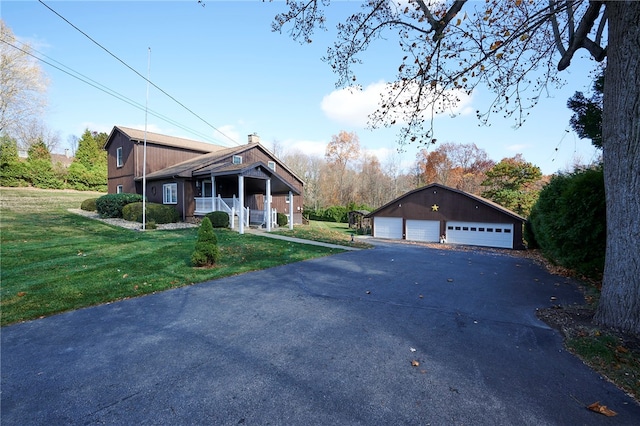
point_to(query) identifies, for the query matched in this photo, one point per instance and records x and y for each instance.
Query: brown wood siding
(120, 175)
(186, 202)
(451, 206)
(160, 157)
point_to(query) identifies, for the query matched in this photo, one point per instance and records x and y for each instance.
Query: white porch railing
(206, 205)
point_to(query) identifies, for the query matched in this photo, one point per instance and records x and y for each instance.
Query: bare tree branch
(580, 39)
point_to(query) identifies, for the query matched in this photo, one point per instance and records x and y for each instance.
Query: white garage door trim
(387, 227)
(481, 234)
(423, 230)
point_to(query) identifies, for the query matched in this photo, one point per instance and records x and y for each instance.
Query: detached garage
(434, 211)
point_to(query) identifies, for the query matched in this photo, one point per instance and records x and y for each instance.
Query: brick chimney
(254, 138)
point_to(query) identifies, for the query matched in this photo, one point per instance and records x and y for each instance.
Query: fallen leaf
(421, 296)
(622, 349)
(602, 409)
(21, 294)
(414, 363)
(368, 292)
(125, 275)
(412, 349)
(450, 280)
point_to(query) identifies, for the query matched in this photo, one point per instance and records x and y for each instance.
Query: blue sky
(224, 63)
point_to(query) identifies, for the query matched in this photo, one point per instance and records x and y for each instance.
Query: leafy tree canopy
(587, 118)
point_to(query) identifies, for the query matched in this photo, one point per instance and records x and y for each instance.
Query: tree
(22, 84)
(510, 183)
(461, 166)
(343, 149)
(510, 47)
(89, 168)
(587, 118)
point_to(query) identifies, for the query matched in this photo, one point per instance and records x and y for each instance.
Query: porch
(231, 206)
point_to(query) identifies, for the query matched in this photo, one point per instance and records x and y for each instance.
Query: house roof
(159, 139)
(219, 163)
(479, 199)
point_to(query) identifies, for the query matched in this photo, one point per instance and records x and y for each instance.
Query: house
(436, 212)
(195, 177)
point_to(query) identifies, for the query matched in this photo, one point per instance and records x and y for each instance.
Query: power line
(89, 81)
(137, 73)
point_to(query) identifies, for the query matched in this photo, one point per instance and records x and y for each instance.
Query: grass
(54, 261)
(327, 232)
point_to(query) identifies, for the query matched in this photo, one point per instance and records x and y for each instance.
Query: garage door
(387, 227)
(423, 230)
(481, 234)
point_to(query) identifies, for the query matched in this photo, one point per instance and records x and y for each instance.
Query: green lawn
(327, 232)
(54, 261)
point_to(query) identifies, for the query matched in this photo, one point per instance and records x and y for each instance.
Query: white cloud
(518, 147)
(308, 147)
(352, 106)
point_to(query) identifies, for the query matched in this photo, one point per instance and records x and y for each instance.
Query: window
(473, 229)
(481, 229)
(450, 228)
(287, 199)
(498, 229)
(119, 162)
(457, 228)
(170, 193)
(237, 159)
(489, 229)
(465, 228)
(119, 189)
(507, 231)
(272, 165)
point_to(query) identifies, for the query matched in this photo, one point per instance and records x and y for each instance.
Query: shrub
(282, 219)
(111, 205)
(157, 213)
(569, 223)
(219, 219)
(336, 214)
(89, 205)
(206, 252)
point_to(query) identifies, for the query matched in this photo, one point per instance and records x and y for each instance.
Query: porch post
(213, 186)
(267, 205)
(290, 210)
(241, 201)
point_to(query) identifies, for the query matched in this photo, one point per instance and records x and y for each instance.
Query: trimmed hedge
(568, 221)
(282, 219)
(156, 213)
(218, 219)
(111, 205)
(89, 205)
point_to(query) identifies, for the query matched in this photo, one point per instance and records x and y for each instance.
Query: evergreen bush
(158, 213)
(219, 219)
(569, 221)
(206, 252)
(89, 205)
(111, 205)
(282, 219)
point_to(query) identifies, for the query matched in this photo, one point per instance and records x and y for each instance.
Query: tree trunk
(619, 305)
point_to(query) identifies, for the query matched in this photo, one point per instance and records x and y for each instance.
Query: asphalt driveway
(331, 341)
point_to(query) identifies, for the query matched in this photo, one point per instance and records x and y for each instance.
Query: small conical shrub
(206, 252)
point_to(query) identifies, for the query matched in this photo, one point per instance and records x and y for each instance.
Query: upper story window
(170, 193)
(237, 159)
(119, 162)
(272, 165)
